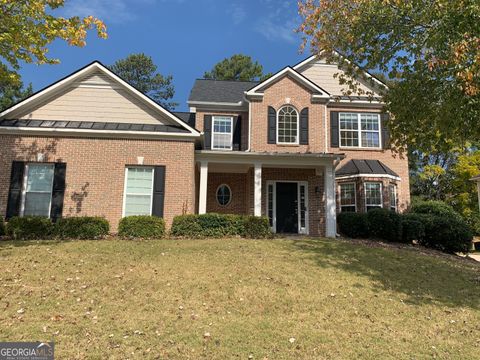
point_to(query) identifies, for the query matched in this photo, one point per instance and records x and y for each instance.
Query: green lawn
(272, 299)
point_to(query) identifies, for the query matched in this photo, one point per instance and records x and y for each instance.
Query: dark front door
(287, 205)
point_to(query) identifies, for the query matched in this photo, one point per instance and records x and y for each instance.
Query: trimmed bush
(257, 227)
(384, 224)
(208, 225)
(412, 227)
(82, 227)
(141, 227)
(434, 208)
(29, 228)
(2, 227)
(447, 234)
(354, 225)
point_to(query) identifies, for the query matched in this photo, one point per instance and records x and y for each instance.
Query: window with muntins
(38, 186)
(360, 130)
(138, 191)
(373, 195)
(348, 198)
(224, 195)
(287, 125)
(222, 132)
(392, 190)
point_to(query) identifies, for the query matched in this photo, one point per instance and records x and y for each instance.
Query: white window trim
(24, 189)
(365, 193)
(301, 230)
(355, 194)
(298, 126)
(395, 191)
(359, 131)
(216, 195)
(125, 187)
(231, 132)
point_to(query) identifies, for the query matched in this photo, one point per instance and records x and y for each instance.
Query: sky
(185, 38)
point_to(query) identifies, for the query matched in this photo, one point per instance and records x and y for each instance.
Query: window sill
(287, 145)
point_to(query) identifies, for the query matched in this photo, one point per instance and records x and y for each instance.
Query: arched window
(224, 195)
(287, 125)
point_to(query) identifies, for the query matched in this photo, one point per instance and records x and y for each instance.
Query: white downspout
(249, 124)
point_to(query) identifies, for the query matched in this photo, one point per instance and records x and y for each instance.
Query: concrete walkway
(475, 256)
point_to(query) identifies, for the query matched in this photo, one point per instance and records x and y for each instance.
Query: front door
(287, 207)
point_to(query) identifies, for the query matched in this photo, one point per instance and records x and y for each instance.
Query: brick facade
(96, 171)
(238, 186)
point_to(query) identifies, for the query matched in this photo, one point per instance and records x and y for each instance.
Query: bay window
(392, 190)
(348, 197)
(373, 195)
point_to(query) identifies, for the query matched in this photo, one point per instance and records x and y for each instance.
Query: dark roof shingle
(222, 91)
(371, 167)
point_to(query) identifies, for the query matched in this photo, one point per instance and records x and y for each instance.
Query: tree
(140, 72)
(237, 67)
(432, 49)
(27, 27)
(12, 92)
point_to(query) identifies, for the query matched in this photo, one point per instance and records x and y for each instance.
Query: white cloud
(280, 23)
(115, 11)
(237, 12)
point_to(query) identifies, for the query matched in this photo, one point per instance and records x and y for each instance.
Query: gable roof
(219, 91)
(65, 82)
(288, 71)
(357, 167)
(315, 57)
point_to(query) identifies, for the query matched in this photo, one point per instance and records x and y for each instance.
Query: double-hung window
(287, 125)
(348, 197)
(392, 192)
(138, 196)
(373, 195)
(37, 190)
(222, 134)
(360, 130)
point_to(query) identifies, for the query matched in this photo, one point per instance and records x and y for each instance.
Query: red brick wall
(96, 171)
(238, 186)
(287, 92)
(397, 163)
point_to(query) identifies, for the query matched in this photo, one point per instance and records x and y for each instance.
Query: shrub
(141, 227)
(257, 227)
(412, 227)
(473, 221)
(354, 225)
(448, 234)
(384, 224)
(208, 225)
(29, 228)
(83, 227)
(432, 207)
(2, 227)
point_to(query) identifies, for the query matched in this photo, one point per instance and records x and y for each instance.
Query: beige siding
(323, 75)
(96, 98)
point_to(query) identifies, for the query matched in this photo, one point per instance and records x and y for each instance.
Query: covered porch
(295, 191)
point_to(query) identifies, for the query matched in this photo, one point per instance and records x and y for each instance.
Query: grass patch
(157, 299)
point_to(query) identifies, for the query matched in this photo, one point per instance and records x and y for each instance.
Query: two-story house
(291, 148)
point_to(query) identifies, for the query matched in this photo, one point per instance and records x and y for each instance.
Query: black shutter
(15, 192)
(334, 143)
(385, 132)
(207, 131)
(304, 126)
(272, 125)
(237, 133)
(58, 192)
(158, 191)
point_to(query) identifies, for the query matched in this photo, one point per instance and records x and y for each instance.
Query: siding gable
(323, 75)
(96, 98)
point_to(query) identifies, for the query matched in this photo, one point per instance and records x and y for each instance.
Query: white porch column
(330, 202)
(258, 190)
(202, 194)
